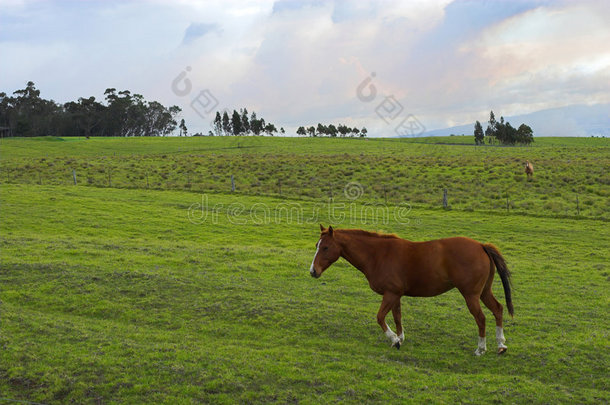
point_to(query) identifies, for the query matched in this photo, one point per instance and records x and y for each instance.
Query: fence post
(232, 184)
(445, 202)
(74, 176)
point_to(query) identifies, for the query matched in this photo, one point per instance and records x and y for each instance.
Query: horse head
(327, 252)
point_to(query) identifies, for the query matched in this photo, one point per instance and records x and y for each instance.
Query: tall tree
(168, 124)
(256, 125)
(218, 124)
(236, 123)
(226, 123)
(301, 131)
(160, 121)
(31, 114)
(270, 129)
(311, 131)
(6, 110)
(245, 123)
(183, 129)
(500, 132)
(479, 136)
(525, 135)
(116, 113)
(510, 134)
(87, 116)
(124, 114)
(490, 132)
(321, 129)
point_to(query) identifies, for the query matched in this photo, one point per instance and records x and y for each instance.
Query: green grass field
(572, 176)
(176, 294)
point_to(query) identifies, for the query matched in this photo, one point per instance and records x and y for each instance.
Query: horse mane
(361, 232)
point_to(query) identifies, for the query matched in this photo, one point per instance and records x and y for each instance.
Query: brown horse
(396, 267)
(529, 169)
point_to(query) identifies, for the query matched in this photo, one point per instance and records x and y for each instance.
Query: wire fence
(475, 196)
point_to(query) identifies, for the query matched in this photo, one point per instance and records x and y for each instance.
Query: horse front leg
(389, 302)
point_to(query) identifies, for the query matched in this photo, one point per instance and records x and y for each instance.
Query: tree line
(26, 114)
(502, 132)
(241, 123)
(332, 130)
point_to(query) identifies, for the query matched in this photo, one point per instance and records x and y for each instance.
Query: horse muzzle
(313, 273)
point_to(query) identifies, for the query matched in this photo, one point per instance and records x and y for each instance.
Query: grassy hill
(571, 174)
(178, 294)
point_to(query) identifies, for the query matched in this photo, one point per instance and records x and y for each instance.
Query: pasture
(179, 291)
(571, 174)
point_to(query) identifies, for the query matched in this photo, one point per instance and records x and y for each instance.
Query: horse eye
(325, 248)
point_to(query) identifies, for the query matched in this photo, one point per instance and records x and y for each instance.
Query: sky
(396, 67)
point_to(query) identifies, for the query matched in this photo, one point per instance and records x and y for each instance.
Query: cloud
(548, 56)
(198, 30)
(282, 6)
(300, 62)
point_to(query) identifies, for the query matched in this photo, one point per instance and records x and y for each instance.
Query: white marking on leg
(500, 339)
(311, 269)
(401, 337)
(482, 347)
(389, 332)
(391, 335)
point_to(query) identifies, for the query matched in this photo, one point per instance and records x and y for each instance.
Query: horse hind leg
(398, 322)
(472, 301)
(496, 308)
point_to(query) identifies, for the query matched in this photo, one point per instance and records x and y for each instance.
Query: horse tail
(502, 269)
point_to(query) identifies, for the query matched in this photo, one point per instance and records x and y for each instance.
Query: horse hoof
(479, 352)
(501, 350)
(396, 345)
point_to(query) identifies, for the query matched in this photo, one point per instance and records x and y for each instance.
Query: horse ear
(330, 230)
(322, 228)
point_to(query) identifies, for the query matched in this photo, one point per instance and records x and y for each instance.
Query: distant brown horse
(529, 169)
(396, 267)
